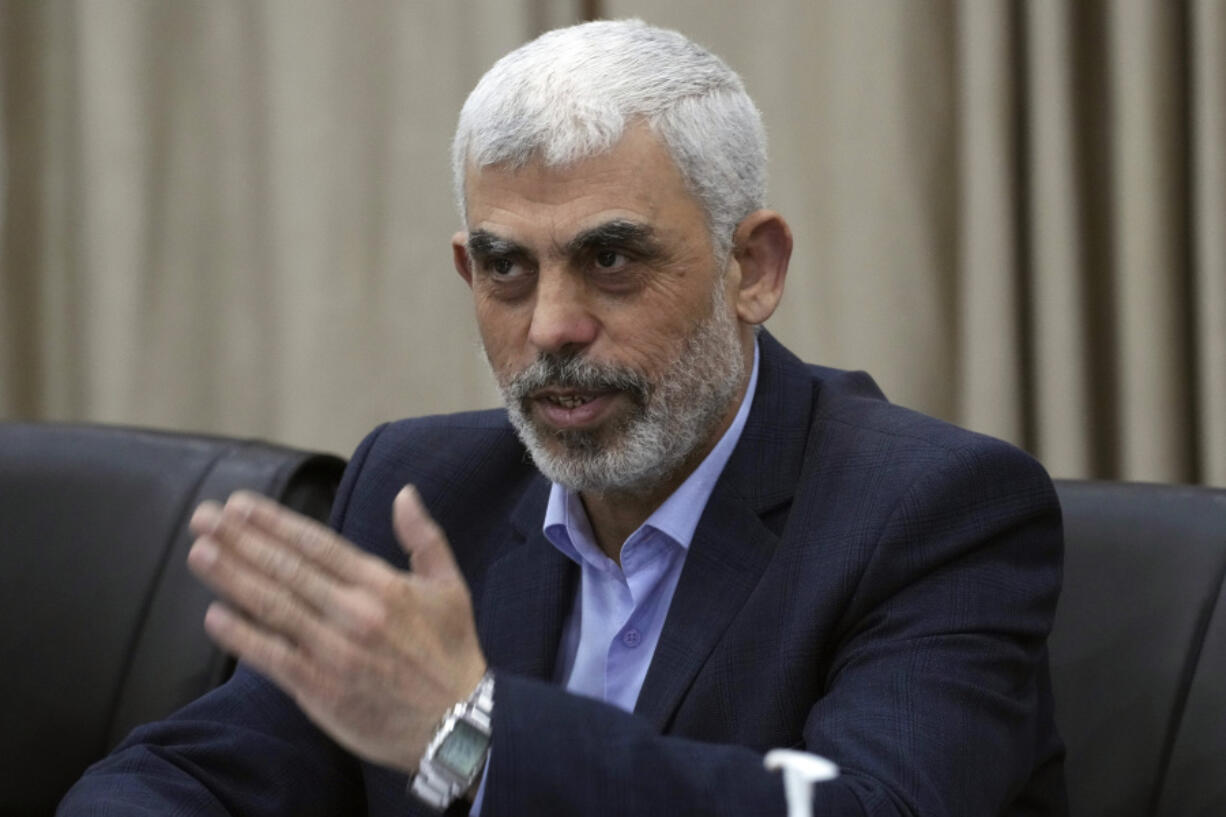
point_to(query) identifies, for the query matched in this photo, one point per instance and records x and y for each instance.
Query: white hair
(571, 93)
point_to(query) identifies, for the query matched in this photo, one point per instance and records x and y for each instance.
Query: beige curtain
(1012, 213)
(233, 215)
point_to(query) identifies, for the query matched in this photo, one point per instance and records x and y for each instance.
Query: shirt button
(632, 638)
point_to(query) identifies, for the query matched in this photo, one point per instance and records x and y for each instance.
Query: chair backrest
(101, 620)
(1138, 650)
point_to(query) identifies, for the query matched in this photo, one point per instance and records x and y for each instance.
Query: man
(678, 548)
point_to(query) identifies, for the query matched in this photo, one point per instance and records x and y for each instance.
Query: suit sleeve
(934, 699)
(243, 749)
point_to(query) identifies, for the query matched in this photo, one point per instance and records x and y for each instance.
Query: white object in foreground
(800, 771)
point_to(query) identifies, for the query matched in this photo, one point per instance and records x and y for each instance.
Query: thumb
(420, 536)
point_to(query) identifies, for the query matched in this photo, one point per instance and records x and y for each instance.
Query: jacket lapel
(527, 595)
(529, 590)
(737, 533)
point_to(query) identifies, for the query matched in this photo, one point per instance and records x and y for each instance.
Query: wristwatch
(456, 753)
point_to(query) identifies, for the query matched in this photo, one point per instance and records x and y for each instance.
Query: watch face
(463, 750)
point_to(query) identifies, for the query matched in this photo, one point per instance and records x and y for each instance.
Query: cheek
(497, 322)
(646, 347)
(655, 330)
(503, 333)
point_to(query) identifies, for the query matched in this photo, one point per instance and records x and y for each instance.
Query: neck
(614, 515)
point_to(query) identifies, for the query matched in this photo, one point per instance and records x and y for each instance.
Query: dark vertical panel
(22, 31)
(1185, 81)
(541, 20)
(1092, 148)
(591, 9)
(1023, 192)
(1176, 79)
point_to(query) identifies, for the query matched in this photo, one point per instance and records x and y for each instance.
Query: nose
(562, 318)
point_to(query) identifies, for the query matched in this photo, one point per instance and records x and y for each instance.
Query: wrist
(454, 759)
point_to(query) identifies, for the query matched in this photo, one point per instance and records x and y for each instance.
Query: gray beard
(671, 418)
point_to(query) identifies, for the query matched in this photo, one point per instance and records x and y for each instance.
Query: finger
(266, 579)
(271, 605)
(284, 565)
(313, 540)
(267, 653)
(421, 537)
(205, 518)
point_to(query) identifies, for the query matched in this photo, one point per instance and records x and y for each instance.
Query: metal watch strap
(430, 785)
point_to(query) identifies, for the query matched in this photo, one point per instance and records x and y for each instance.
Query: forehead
(636, 180)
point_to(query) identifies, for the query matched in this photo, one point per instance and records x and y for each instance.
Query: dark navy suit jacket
(865, 583)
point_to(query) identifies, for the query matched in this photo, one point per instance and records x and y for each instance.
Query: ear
(459, 256)
(761, 246)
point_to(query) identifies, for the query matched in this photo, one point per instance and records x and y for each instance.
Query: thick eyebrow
(633, 236)
(483, 244)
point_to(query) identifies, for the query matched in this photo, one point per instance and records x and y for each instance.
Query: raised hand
(373, 655)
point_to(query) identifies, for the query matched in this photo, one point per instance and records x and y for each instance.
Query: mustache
(552, 370)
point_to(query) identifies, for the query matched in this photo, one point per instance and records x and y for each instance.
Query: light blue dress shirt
(613, 628)
(618, 614)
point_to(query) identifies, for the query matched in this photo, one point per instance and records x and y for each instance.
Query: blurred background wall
(233, 215)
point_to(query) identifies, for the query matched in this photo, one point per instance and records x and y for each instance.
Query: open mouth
(570, 409)
(575, 394)
(569, 401)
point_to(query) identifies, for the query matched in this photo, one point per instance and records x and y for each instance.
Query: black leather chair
(1138, 651)
(101, 619)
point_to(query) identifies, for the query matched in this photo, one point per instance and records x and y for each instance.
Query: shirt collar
(567, 527)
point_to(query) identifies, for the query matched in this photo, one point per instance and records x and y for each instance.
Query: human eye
(607, 260)
(616, 270)
(502, 267)
(505, 276)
